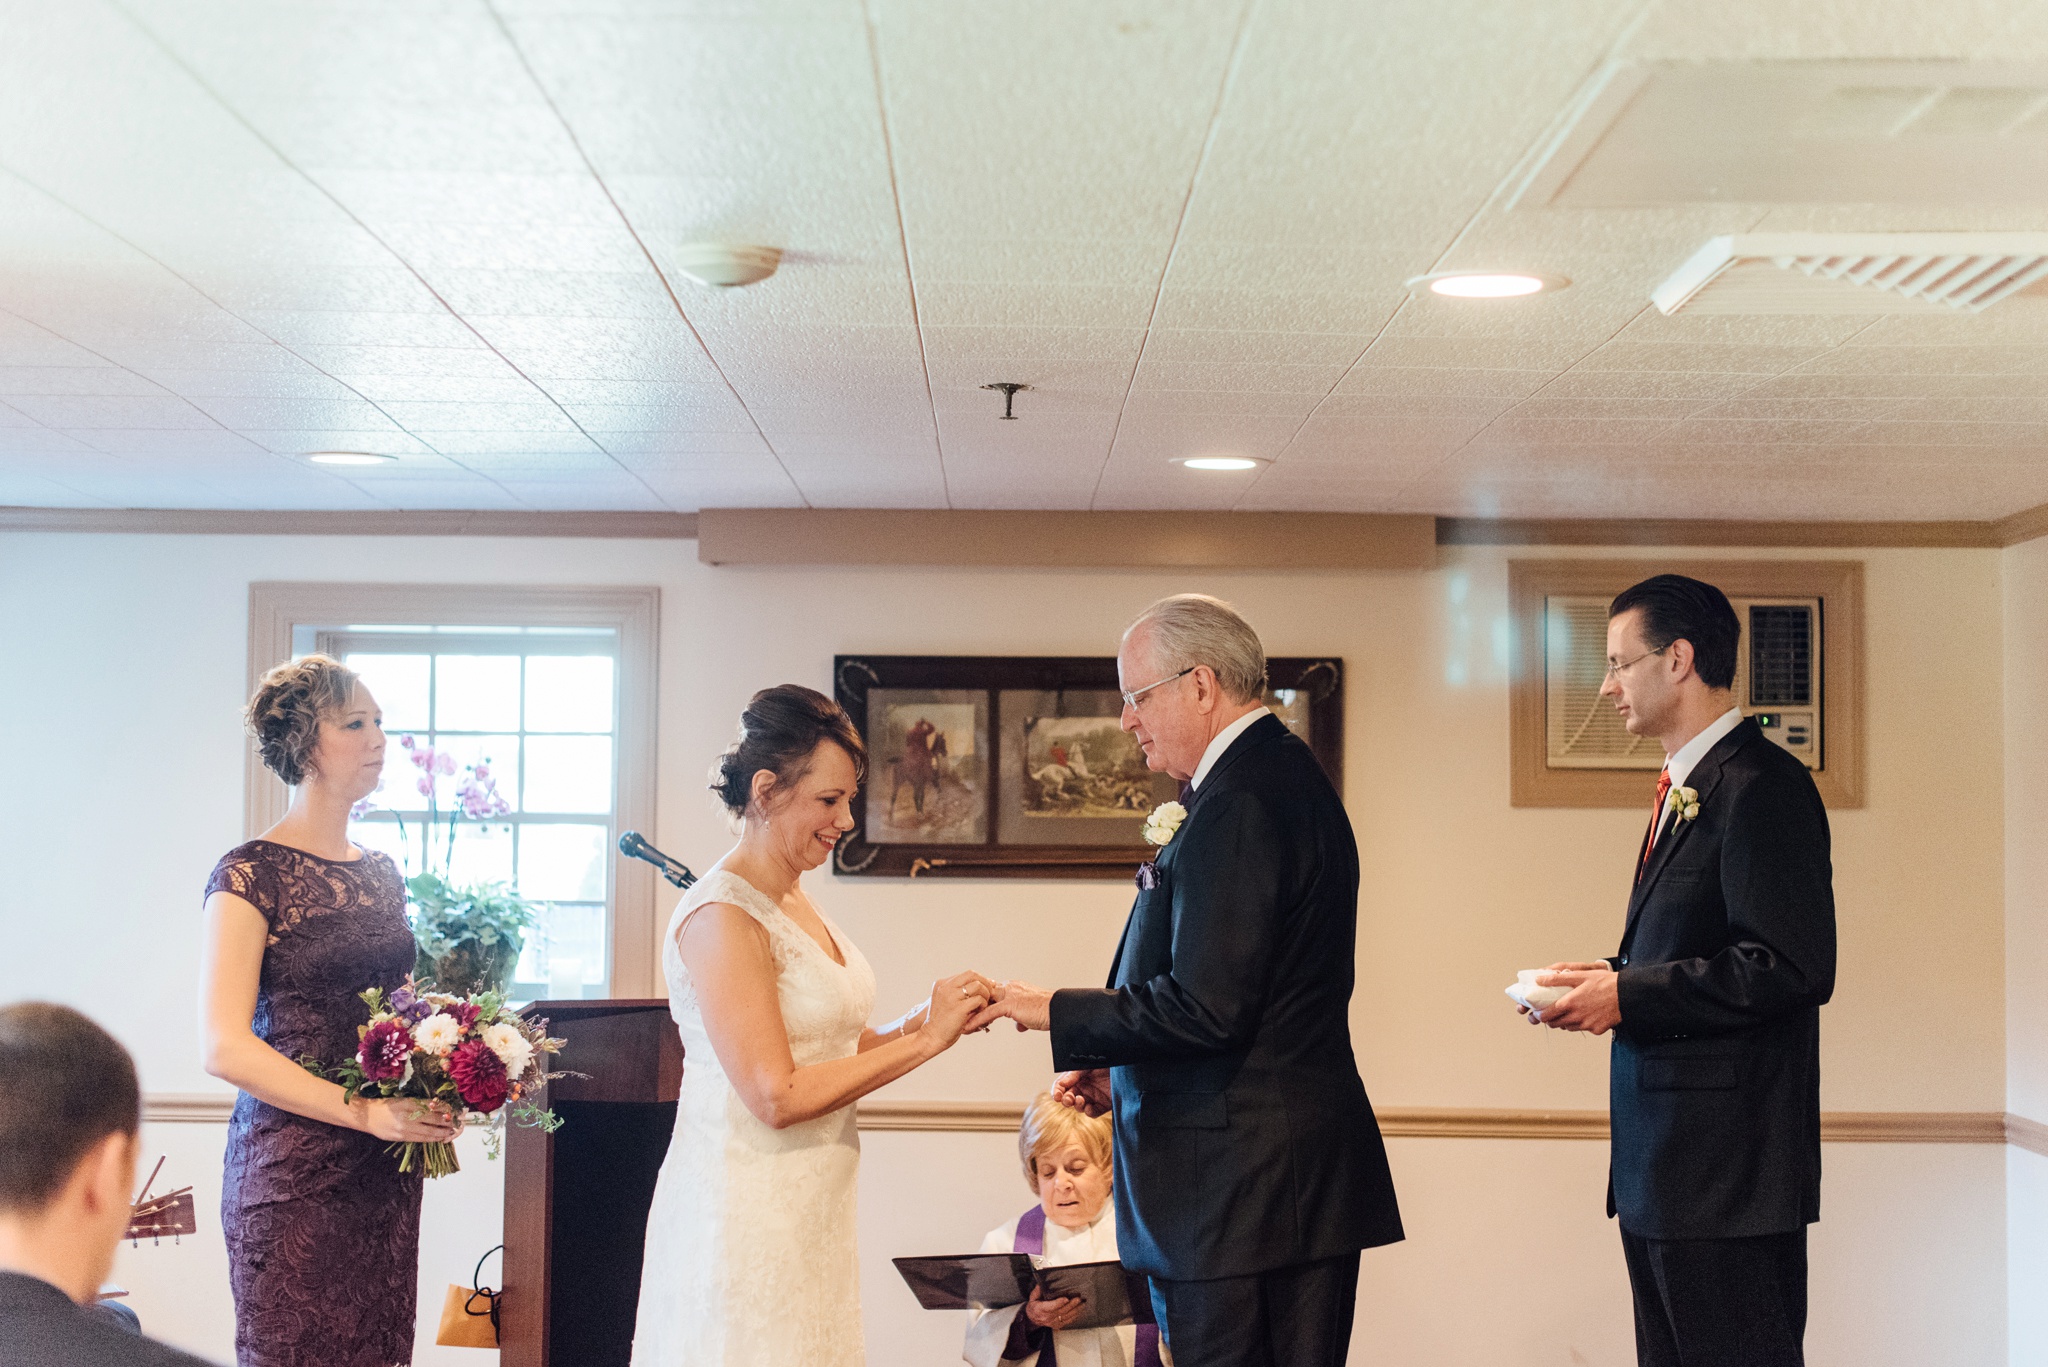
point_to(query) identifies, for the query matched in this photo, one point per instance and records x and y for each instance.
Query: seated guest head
(315, 723)
(69, 1111)
(1066, 1161)
(790, 778)
(1671, 646)
(1189, 666)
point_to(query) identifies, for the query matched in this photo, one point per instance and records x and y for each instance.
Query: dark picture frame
(1012, 766)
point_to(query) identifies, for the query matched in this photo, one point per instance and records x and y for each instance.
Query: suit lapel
(1705, 777)
(1259, 732)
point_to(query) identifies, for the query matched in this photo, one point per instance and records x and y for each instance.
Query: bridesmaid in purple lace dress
(322, 1229)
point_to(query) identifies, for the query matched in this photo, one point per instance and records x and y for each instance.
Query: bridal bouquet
(472, 1053)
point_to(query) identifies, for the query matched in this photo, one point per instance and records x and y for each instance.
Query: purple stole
(1031, 1240)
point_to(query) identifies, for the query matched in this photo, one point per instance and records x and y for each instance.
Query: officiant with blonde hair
(1067, 1165)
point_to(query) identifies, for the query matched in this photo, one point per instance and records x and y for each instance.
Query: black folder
(990, 1281)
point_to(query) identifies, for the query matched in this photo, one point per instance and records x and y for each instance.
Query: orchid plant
(469, 936)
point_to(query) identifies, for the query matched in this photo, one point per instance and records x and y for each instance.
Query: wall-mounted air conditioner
(1777, 683)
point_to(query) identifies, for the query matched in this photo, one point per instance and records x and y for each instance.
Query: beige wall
(2026, 938)
(130, 660)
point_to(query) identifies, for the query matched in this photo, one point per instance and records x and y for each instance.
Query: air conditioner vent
(1759, 273)
(1585, 732)
(1777, 683)
(1780, 656)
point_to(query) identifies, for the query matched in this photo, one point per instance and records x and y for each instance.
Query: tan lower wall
(1509, 1259)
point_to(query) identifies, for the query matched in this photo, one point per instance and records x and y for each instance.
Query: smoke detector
(1758, 273)
(724, 264)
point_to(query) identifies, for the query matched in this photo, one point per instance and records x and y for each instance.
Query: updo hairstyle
(284, 714)
(1049, 1127)
(780, 731)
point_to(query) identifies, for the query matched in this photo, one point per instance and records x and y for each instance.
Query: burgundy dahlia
(384, 1050)
(479, 1077)
(464, 1014)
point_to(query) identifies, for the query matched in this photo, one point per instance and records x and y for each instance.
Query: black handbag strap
(489, 1296)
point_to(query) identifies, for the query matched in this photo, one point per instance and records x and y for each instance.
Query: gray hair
(1192, 629)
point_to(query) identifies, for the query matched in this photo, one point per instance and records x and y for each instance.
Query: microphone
(634, 846)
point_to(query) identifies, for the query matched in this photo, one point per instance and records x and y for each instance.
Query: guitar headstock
(155, 1216)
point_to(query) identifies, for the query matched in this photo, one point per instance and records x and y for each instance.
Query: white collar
(1688, 756)
(1222, 743)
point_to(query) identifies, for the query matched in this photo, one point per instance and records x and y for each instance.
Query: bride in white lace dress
(751, 1240)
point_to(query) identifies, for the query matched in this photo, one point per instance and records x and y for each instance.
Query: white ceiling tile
(1256, 198)
(111, 410)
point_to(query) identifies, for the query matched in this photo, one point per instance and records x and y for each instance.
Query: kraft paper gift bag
(469, 1314)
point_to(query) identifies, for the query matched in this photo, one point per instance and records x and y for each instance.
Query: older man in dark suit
(69, 1107)
(1249, 1167)
(1714, 1000)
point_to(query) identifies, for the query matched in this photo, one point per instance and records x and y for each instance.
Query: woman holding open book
(1067, 1163)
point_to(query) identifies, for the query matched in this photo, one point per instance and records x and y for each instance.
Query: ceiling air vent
(1854, 273)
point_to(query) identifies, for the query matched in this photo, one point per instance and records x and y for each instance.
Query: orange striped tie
(1656, 820)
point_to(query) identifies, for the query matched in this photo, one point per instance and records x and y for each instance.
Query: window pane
(380, 835)
(570, 935)
(498, 754)
(483, 853)
(568, 693)
(400, 683)
(399, 789)
(476, 693)
(563, 862)
(568, 774)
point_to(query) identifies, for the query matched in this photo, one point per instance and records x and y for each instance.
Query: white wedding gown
(750, 1242)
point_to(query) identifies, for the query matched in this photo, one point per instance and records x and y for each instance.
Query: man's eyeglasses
(1131, 698)
(1614, 670)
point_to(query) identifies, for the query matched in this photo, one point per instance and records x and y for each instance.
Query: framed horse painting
(999, 766)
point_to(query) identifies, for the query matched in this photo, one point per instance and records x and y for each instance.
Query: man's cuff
(1071, 1012)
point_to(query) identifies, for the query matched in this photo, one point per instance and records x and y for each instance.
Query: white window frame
(278, 611)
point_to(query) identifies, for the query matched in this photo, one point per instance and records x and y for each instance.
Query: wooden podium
(576, 1201)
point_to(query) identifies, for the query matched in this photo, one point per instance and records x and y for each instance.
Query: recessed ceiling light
(726, 265)
(1487, 284)
(350, 458)
(1221, 463)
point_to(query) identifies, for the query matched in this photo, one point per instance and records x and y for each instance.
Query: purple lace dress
(322, 1229)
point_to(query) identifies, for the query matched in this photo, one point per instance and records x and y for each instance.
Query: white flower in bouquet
(1164, 820)
(438, 1034)
(511, 1047)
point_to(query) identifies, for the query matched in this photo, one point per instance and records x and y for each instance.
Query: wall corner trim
(1066, 540)
(2026, 525)
(2023, 1132)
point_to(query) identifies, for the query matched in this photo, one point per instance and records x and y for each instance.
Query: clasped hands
(968, 1003)
(1593, 1005)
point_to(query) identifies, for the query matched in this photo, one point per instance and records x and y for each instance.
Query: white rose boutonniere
(1685, 802)
(1164, 820)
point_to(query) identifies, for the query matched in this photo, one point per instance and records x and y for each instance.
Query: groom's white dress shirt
(1687, 757)
(1222, 743)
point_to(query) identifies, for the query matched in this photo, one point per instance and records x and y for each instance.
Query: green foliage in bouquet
(468, 938)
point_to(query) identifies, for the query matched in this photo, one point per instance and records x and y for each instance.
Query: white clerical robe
(988, 1331)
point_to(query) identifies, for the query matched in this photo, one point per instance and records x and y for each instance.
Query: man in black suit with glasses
(1714, 998)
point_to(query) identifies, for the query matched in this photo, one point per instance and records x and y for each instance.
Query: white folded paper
(1524, 991)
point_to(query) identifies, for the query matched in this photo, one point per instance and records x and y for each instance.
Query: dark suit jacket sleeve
(1226, 887)
(1777, 881)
